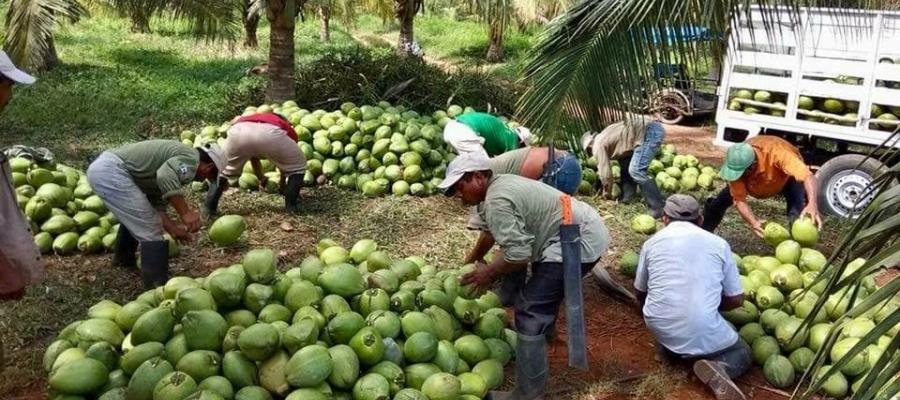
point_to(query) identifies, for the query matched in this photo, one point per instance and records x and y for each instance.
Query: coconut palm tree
(282, 16)
(250, 16)
(30, 24)
(343, 10)
(595, 57)
(406, 10)
(499, 14)
(29, 30)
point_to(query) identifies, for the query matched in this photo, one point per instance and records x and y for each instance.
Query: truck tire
(843, 184)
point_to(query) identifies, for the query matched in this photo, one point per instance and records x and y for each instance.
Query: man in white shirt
(685, 277)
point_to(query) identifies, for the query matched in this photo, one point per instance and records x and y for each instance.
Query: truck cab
(825, 81)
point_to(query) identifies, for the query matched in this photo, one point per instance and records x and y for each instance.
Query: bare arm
(483, 244)
(485, 274)
(747, 214)
(189, 217)
(731, 302)
(811, 185)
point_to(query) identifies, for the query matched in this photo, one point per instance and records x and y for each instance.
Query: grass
(117, 87)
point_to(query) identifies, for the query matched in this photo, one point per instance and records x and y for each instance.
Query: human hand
(481, 277)
(812, 210)
(181, 235)
(757, 228)
(191, 220)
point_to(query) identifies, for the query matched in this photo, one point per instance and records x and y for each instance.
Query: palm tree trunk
(495, 49)
(281, 50)
(405, 10)
(325, 31)
(49, 58)
(251, 22)
(140, 22)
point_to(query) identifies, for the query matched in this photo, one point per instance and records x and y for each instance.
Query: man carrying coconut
(763, 167)
(563, 173)
(137, 182)
(634, 142)
(524, 216)
(256, 136)
(685, 277)
(484, 133)
(20, 260)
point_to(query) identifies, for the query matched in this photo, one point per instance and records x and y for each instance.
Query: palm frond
(214, 19)
(30, 25)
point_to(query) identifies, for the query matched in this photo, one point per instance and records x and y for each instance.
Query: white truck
(827, 81)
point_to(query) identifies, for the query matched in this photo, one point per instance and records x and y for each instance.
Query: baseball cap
(738, 158)
(215, 152)
(9, 70)
(587, 140)
(524, 134)
(466, 162)
(682, 207)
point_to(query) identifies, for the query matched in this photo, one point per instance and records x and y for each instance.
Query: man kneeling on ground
(685, 277)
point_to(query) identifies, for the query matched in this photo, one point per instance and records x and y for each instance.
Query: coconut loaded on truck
(826, 83)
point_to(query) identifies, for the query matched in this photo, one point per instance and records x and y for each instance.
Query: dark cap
(682, 207)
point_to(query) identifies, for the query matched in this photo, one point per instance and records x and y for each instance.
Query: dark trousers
(735, 359)
(793, 192)
(537, 303)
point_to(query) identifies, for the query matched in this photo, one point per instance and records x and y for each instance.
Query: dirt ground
(622, 357)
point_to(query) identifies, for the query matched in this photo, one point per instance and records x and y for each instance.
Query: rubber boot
(216, 187)
(154, 263)
(531, 370)
(628, 191)
(713, 374)
(292, 193)
(653, 197)
(125, 252)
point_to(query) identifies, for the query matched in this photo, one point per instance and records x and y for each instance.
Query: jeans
(537, 303)
(793, 192)
(564, 174)
(644, 152)
(735, 359)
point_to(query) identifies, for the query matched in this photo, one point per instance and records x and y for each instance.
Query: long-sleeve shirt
(616, 141)
(524, 215)
(159, 167)
(776, 161)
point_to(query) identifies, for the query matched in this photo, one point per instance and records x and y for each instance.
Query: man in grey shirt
(524, 216)
(685, 277)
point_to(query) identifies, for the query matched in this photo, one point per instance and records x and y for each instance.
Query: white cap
(215, 152)
(466, 162)
(9, 70)
(586, 140)
(524, 134)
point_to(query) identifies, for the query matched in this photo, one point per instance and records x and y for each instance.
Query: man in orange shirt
(762, 167)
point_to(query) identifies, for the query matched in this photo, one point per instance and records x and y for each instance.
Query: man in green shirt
(483, 132)
(137, 182)
(524, 217)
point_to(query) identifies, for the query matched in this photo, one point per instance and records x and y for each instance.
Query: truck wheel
(843, 184)
(670, 106)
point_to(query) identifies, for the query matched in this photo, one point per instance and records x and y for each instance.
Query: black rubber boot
(628, 191)
(125, 252)
(531, 370)
(653, 197)
(292, 193)
(154, 263)
(216, 187)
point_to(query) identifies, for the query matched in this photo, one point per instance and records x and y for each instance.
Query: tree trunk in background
(281, 14)
(140, 21)
(406, 11)
(325, 31)
(495, 49)
(49, 58)
(251, 22)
